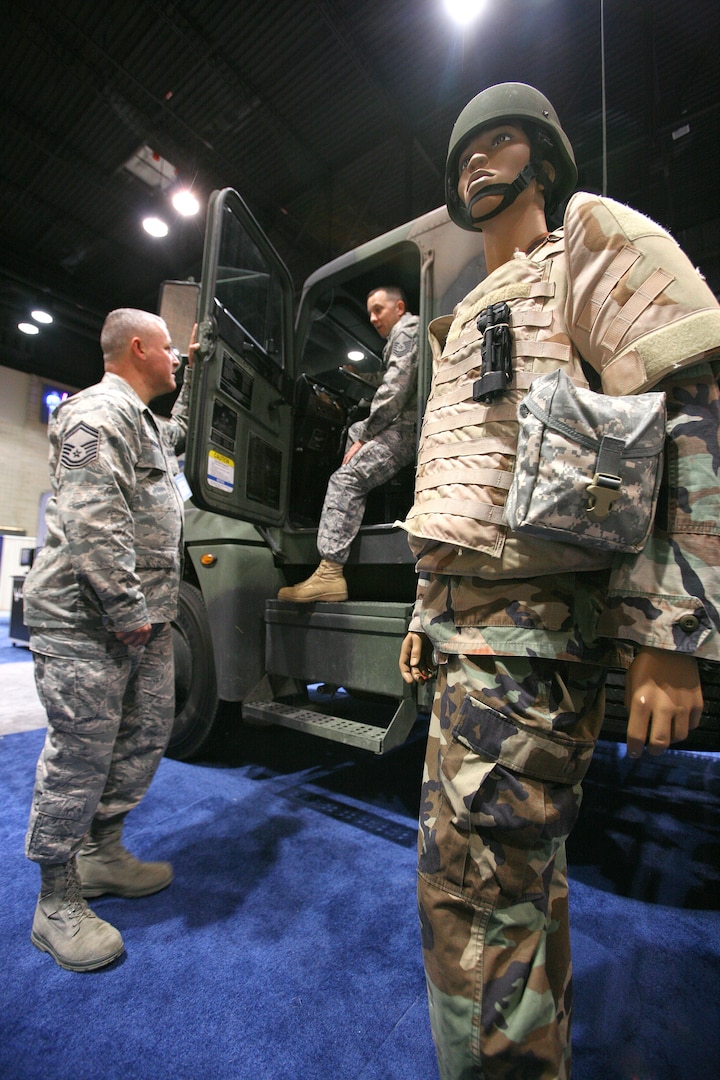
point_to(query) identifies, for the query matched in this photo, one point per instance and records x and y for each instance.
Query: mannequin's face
(494, 155)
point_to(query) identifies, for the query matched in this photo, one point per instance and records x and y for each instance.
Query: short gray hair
(120, 326)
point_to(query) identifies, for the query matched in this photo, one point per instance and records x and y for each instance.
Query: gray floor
(20, 709)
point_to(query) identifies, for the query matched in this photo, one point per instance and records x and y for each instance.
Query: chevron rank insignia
(80, 446)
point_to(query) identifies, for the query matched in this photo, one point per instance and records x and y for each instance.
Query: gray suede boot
(327, 583)
(65, 927)
(105, 866)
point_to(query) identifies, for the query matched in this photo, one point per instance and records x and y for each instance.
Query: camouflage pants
(510, 740)
(348, 487)
(110, 713)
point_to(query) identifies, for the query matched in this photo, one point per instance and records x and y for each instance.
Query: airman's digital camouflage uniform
(524, 629)
(111, 562)
(389, 435)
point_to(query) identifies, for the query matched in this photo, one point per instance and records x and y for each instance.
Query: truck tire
(196, 699)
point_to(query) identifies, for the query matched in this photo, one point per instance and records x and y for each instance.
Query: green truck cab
(272, 400)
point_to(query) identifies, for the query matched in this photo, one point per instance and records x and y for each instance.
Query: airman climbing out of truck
(377, 448)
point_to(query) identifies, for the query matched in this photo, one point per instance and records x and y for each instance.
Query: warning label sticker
(220, 471)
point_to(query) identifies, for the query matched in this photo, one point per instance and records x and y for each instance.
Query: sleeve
(643, 317)
(399, 382)
(94, 496)
(174, 430)
(415, 625)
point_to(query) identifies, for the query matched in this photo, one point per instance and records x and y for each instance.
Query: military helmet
(510, 101)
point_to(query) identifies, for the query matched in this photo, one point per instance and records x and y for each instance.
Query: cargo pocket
(55, 832)
(510, 796)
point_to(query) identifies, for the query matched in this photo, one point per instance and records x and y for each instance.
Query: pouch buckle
(603, 491)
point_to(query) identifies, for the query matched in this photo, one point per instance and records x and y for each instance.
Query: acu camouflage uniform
(524, 628)
(111, 562)
(389, 435)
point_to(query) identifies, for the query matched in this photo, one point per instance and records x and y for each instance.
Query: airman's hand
(135, 638)
(352, 451)
(193, 346)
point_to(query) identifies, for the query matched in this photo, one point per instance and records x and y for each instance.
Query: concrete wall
(23, 450)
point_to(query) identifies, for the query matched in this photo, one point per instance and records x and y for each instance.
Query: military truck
(274, 393)
(273, 396)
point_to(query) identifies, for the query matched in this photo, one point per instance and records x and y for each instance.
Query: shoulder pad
(637, 308)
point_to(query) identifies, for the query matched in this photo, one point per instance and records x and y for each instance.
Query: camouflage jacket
(611, 295)
(113, 549)
(395, 400)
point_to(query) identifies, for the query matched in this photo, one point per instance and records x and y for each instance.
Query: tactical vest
(611, 281)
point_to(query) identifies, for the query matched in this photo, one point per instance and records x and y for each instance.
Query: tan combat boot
(327, 583)
(65, 927)
(105, 866)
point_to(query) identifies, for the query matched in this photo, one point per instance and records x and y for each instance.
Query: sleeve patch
(402, 345)
(80, 446)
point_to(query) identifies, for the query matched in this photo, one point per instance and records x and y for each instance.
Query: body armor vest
(468, 447)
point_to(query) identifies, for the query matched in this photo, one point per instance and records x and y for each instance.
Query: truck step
(351, 732)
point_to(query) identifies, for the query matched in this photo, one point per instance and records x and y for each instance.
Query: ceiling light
(464, 11)
(155, 226)
(355, 355)
(28, 328)
(41, 316)
(185, 203)
(155, 171)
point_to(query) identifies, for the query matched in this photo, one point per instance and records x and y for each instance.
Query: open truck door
(269, 420)
(237, 459)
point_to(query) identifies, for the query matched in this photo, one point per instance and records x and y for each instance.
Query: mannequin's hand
(663, 698)
(415, 662)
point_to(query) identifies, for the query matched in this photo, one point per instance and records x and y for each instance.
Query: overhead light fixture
(185, 203)
(41, 316)
(155, 226)
(464, 11)
(355, 355)
(153, 169)
(28, 328)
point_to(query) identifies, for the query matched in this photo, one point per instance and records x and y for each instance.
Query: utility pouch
(589, 465)
(496, 350)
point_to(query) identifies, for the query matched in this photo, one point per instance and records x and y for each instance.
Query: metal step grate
(351, 732)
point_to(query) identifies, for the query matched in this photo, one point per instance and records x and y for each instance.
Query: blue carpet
(287, 946)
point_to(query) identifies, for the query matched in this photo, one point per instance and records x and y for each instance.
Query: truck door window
(247, 291)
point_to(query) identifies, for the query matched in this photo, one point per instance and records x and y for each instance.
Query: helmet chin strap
(509, 192)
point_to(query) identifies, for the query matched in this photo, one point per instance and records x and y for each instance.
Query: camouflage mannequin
(523, 629)
(377, 448)
(98, 601)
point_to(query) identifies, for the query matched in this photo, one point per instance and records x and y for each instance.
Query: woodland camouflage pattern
(524, 628)
(389, 437)
(501, 793)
